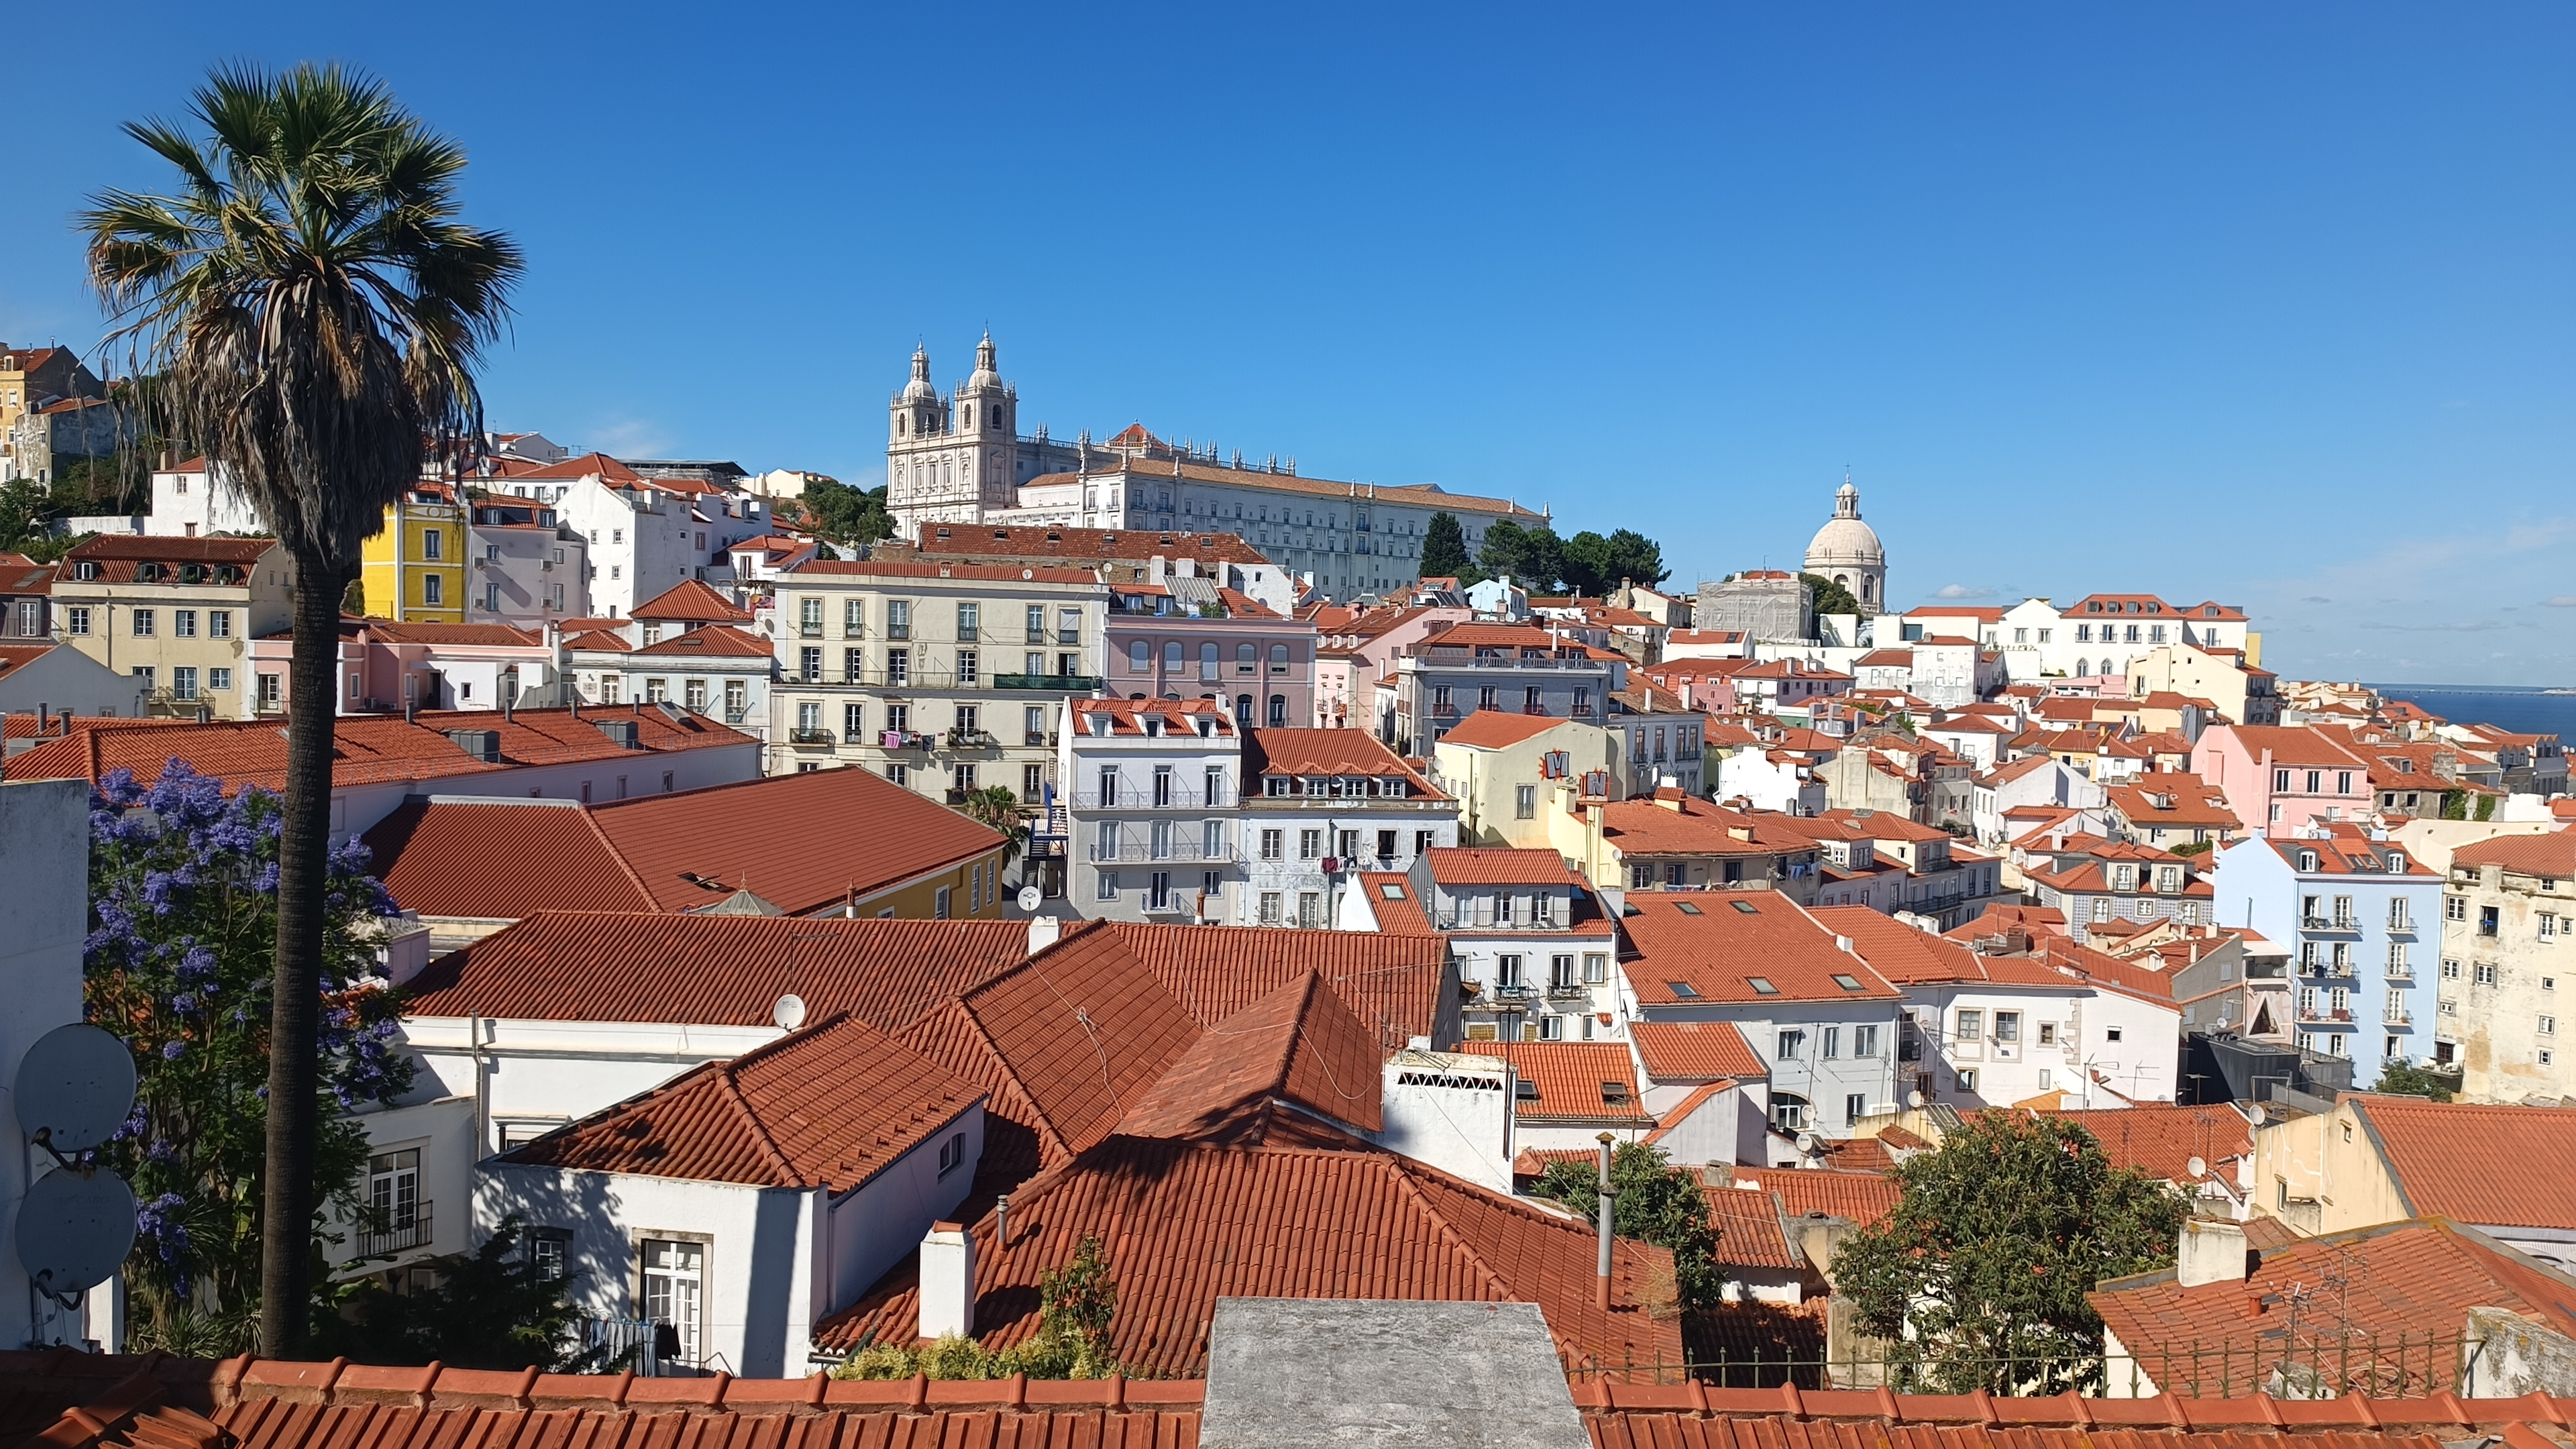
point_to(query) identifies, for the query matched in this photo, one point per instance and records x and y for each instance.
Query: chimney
(1002, 1223)
(2212, 1250)
(1609, 1199)
(1044, 931)
(948, 1282)
(1843, 944)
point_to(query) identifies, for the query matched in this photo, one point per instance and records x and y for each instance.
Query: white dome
(919, 389)
(985, 374)
(1845, 540)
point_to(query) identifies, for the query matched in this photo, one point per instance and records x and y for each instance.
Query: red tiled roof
(2138, 978)
(1862, 1196)
(597, 640)
(1748, 1229)
(1491, 729)
(828, 1107)
(1041, 541)
(584, 465)
(1130, 716)
(713, 641)
(2552, 856)
(1332, 1217)
(470, 858)
(1582, 1080)
(1065, 1040)
(491, 635)
(1328, 752)
(1393, 983)
(1299, 1043)
(1693, 1051)
(1654, 827)
(693, 600)
(2163, 1138)
(2499, 1166)
(1389, 896)
(1908, 957)
(1720, 943)
(367, 749)
(984, 573)
(2412, 1277)
(1489, 865)
(2293, 745)
(713, 970)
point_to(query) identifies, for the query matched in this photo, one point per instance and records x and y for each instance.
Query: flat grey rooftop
(1326, 1373)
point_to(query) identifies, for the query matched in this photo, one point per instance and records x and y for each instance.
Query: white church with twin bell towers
(961, 458)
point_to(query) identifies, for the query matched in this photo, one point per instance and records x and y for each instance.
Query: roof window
(1746, 907)
(1682, 990)
(1761, 985)
(1846, 982)
(1525, 1089)
(1686, 908)
(1390, 890)
(1614, 1094)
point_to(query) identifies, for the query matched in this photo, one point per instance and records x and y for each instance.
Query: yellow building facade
(414, 571)
(174, 615)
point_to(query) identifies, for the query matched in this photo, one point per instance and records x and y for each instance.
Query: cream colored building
(2244, 692)
(174, 614)
(941, 677)
(2506, 1014)
(1505, 771)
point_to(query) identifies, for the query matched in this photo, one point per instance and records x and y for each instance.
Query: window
(183, 623)
(939, 902)
(898, 618)
(1865, 1041)
(2455, 908)
(219, 681)
(675, 1291)
(1507, 971)
(1792, 1045)
(1970, 1025)
(2483, 974)
(970, 623)
(76, 620)
(1269, 913)
(1830, 1046)
(1788, 1112)
(1310, 845)
(1310, 910)
(1965, 1082)
(1855, 1107)
(143, 623)
(2450, 970)
(2111, 1033)
(547, 1250)
(433, 589)
(393, 1193)
(1525, 802)
(2048, 1033)
(2007, 1027)
(183, 682)
(2549, 1026)
(1271, 843)
(1596, 969)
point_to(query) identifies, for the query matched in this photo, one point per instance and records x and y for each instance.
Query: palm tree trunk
(286, 1209)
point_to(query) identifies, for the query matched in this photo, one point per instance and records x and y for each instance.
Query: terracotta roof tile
(1488, 865)
(1728, 946)
(977, 573)
(1189, 1222)
(1654, 827)
(1748, 1229)
(2552, 856)
(2499, 1166)
(1389, 896)
(1299, 1043)
(712, 642)
(827, 1107)
(470, 858)
(1394, 983)
(1041, 541)
(1908, 957)
(1692, 1051)
(692, 600)
(1862, 1197)
(1308, 752)
(2416, 1278)
(713, 970)
(1491, 729)
(485, 635)
(2163, 1138)
(1584, 1081)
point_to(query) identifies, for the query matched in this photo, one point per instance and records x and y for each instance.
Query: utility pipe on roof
(1609, 1198)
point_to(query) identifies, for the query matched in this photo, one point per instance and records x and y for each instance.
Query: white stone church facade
(960, 458)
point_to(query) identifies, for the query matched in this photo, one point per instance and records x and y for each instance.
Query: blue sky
(2272, 304)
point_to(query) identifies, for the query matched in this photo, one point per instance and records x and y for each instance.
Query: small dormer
(1153, 724)
(1207, 726)
(1102, 724)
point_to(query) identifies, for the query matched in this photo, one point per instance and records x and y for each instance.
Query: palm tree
(315, 309)
(996, 808)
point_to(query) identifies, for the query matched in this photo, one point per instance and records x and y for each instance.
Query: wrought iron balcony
(391, 1232)
(810, 737)
(1055, 683)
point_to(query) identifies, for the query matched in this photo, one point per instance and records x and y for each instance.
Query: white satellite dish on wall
(2197, 1168)
(2257, 1114)
(75, 1088)
(789, 1013)
(1914, 1100)
(74, 1228)
(1807, 1143)
(1029, 898)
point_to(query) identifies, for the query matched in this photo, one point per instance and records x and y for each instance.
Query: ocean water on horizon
(2527, 711)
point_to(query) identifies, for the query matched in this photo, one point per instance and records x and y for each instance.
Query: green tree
(1530, 557)
(24, 505)
(493, 1308)
(1658, 1203)
(1444, 548)
(1829, 597)
(179, 962)
(996, 808)
(1595, 565)
(1978, 1278)
(316, 310)
(1075, 1304)
(845, 514)
(2405, 1080)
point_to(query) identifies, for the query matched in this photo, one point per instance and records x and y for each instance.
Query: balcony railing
(905, 740)
(2395, 1015)
(1178, 797)
(965, 739)
(382, 1233)
(1568, 991)
(811, 737)
(1055, 683)
(1142, 852)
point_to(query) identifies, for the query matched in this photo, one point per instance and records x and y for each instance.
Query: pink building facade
(2280, 779)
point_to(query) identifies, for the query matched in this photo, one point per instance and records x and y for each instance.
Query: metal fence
(2305, 1366)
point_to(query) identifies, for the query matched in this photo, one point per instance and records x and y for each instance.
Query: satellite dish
(1914, 1099)
(74, 1228)
(2257, 1114)
(2196, 1167)
(1029, 898)
(789, 1013)
(1807, 1143)
(75, 1087)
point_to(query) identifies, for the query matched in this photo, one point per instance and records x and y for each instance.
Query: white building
(188, 501)
(1979, 1031)
(961, 458)
(644, 533)
(1847, 551)
(528, 569)
(1533, 945)
(1152, 820)
(1319, 807)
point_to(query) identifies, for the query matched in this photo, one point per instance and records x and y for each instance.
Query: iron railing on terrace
(2302, 1359)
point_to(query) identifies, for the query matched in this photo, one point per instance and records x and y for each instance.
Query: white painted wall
(44, 913)
(1452, 1111)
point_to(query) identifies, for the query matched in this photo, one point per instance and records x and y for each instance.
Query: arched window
(1171, 656)
(1243, 711)
(1140, 655)
(1207, 663)
(902, 425)
(1278, 711)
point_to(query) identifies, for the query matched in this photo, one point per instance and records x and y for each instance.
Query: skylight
(1847, 983)
(1747, 907)
(1762, 986)
(1682, 989)
(1390, 890)
(1686, 908)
